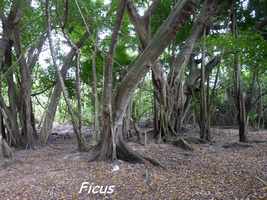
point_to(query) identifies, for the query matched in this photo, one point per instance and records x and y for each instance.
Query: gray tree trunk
(78, 93)
(95, 95)
(5, 150)
(239, 96)
(108, 143)
(204, 120)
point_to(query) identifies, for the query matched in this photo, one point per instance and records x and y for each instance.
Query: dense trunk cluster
(112, 142)
(171, 105)
(17, 115)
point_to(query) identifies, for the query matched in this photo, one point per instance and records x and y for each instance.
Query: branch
(209, 67)
(181, 61)
(66, 12)
(152, 8)
(215, 82)
(34, 51)
(139, 24)
(161, 39)
(43, 91)
(258, 98)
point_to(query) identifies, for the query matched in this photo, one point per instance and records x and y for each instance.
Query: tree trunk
(25, 92)
(15, 137)
(82, 146)
(240, 101)
(55, 97)
(184, 112)
(175, 91)
(19, 100)
(9, 113)
(260, 107)
(5, 150)
(108, 143)
(33, 122)
(128, 121)
(160, 89)
(155, 113)
(95, 95)
(2, 126)
(204, 126)
(78, 93)
(138, 70)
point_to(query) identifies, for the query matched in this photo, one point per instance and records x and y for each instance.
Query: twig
(261, 180)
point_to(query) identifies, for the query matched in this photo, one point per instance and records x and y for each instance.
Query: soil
(223, 170)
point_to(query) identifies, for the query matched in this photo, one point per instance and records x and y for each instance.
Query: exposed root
(258, 141)
(125, 153)
(85, 148)
(138, 133)
(261, 180)
(94, 153)
(182, 143)
(195, 140)
(154, 162)
(93, 156)
(237, 145)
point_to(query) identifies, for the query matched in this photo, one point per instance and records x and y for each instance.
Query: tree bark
(16, 139)
(13, 136)
(95, 95)
(78, 92)
(11, 36)
(204, 126)
(160, 90)
(19, 98)
(5, 150)
(25, 91)
(239, 96)
(128, 121)
(108, 143)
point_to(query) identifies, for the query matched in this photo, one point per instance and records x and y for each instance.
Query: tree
(239, 95)
(137, 70)
(82, 146)
(204, 97)
(19, 100)
(167, 91)
(108, 132)
(55, 97)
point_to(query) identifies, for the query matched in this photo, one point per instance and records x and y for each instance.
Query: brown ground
(210, 172)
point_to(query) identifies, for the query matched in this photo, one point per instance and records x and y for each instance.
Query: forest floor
(209, 172)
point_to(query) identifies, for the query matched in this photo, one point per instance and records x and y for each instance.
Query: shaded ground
(210, 172)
